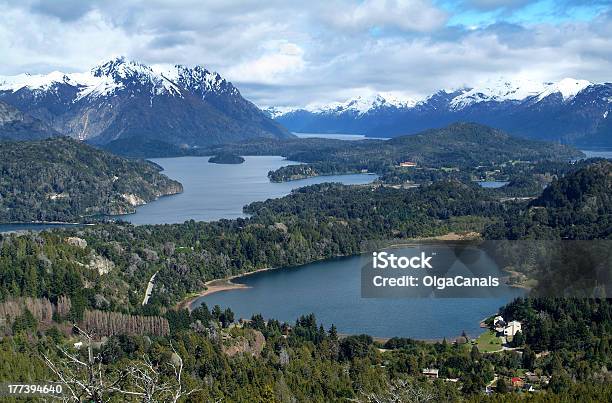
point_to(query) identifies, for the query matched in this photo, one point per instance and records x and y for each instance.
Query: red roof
(516, 379)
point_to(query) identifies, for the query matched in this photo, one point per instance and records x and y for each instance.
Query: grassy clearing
(488, 342)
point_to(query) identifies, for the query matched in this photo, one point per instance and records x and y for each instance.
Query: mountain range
(568, 111)
(129, 102)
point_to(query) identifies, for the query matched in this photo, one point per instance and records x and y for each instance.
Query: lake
(602, 153)
(331, 289)
(338, 136)
(214, 191)
(492, 184)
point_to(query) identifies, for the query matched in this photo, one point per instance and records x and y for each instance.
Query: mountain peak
(567, 87)
(122, 98)
(121, 68)
(362, 104)
(499, 90)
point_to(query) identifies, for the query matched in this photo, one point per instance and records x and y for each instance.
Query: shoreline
(226, 284)
(44, 222)
(219, 285)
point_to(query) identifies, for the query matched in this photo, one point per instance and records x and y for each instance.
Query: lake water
(338, 136)
(598, 153)
(214, 191)
(331, 290)
(492, 184)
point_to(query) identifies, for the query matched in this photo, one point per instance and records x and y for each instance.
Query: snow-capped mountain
(356, 106)
(572, 111)
(122, 99)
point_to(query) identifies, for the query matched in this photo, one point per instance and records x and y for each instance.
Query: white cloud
(406, 15)
(278, 53)
(279, 62)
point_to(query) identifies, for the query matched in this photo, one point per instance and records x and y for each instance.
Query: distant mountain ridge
(121, 99)
(569, 111)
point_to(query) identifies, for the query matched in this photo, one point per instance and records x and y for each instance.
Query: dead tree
(146, 381)
(401, 391)
(87, 379)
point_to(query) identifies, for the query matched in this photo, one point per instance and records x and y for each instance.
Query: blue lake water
(598, 153)
(331, 290)
(338, 136)
(492, 184)
(214, 191)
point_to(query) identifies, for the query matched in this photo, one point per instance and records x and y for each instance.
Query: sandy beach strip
(218, 285)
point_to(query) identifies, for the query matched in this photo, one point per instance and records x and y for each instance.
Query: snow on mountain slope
(568, 88)
(498, 91)
(105, 79)
(358, 105)
(123, 99)
(501, 90)
(568, 111)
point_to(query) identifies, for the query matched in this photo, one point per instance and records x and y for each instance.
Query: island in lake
(226, 158)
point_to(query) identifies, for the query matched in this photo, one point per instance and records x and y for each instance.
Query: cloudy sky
(286, 53)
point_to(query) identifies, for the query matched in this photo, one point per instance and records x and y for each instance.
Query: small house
(407, 164)
(512, 328)
(517, 382)
(431, 373)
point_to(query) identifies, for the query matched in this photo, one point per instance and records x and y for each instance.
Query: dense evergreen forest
(311, 223)
(59, 287)
(226, 158)
(467, 148)
(60, 179)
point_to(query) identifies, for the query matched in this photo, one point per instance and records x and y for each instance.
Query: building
(517, 382)
(512, 328)
(431, 373)
(407, 164)
(499, 323)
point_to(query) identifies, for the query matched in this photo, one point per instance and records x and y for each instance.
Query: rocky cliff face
(16, 125)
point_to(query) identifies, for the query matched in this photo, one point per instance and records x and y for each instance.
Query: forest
(461, 147)
(87, 284)
(60, 179)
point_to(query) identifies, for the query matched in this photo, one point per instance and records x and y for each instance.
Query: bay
(331, 289)
(213, 191)
(216, 191)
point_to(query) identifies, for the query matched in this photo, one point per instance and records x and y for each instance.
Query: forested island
(96, 278)
(226, 158)
(460, 150)
(61, 179)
